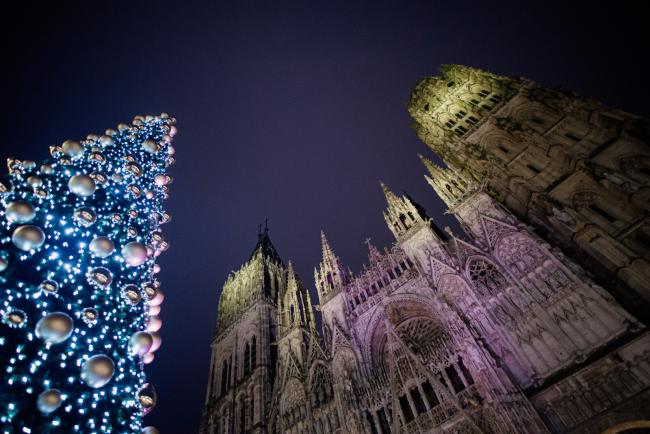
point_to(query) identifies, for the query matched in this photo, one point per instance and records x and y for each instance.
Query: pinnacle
(390, 196)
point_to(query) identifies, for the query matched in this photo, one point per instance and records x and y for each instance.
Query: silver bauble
(15, 318)
(154, 323)
(149, 290)
(101, 277)
(134, 168)
(147, 397)
(47, 169)
(85, 216)
(150, 146)
(28, 237)
(99, 178)
(97, 156)
(34, 181)
(49, 286)
(150, 430)
(140, 343)
(49, 401)
(106, 140)
(97, 370)
(5, 186)
(72, 148)
(134, 253)
(131, 294)
(102, 247)
(20, 211)
(82, 185)
(4, 263)
(160, 180)
(157, 341)
(122, 127)
(90, 315)
(55, 327)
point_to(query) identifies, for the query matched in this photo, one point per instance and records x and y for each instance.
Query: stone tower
(574, 169)
(244, 346)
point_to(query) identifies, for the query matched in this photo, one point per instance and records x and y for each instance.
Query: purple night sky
(291, 111)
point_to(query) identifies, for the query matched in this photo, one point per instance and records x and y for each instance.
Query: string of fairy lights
(79, 296)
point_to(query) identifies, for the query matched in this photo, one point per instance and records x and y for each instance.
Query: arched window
(242, 415)
(254, 352)
(488, 280)
(291, 314)
(224, 377)
(247, 359)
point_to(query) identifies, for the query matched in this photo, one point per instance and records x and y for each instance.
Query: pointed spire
(331, 275)
(402, 213)
(391, 198)
(295, 304)
(448, 184)
(373, 252)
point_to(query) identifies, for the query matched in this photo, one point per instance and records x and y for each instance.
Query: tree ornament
(34, 181)
(131, 294)
(20, 211)
(28, 237)
(99, 178)
(85, 216)
(102, 247)
(147, 397)
(49, 401)
(4, 262)
(100, 277)
(149, 290)
(154, 323)
(72, 148)
(15, 318)
(97, 370)
(150, 430)
(90, 315)
(106, 140)
(150, 146)
(134, 253)
(141, 343)
(49, 286)
(157, 342)
(55, 327)
(82, 185)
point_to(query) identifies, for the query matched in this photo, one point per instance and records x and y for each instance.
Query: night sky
(291, 111)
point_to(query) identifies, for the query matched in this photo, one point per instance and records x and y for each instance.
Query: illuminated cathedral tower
(244, 346)
(575, 169)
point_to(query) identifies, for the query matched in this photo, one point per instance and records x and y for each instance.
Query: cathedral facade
(531, 322)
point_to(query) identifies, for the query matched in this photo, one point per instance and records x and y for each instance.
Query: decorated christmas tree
(79, 300)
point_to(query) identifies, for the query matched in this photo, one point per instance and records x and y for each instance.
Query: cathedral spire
(448, 184)
(295, 305)
(331, 275)
(402, 213)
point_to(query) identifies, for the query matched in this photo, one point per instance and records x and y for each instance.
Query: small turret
(331, 275)
(295, 305)
(402, 213)
(449, 184)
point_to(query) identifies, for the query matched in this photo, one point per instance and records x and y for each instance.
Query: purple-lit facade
(498, 330)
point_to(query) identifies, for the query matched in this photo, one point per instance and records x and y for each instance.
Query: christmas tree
(79, 300)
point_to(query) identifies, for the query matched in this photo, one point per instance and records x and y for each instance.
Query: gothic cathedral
(531, 322)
